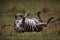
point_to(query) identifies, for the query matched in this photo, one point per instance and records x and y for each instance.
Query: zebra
(26, 24)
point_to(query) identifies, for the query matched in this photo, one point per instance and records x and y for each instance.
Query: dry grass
(9, 8)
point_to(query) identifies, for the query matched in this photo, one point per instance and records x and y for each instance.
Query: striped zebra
(26, 24)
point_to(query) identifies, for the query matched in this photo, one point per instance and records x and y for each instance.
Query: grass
(7, 9)
(30, 36)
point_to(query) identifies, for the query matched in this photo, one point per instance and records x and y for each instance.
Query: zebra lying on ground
(26, 24)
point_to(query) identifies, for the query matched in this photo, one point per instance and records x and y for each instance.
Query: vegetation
(10, 7)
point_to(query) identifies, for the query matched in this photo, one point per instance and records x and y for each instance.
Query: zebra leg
(39, 27)
(27, 28)
(30, 28)
(35, 28)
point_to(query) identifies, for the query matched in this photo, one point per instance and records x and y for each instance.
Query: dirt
(51, 27)
(7, 28)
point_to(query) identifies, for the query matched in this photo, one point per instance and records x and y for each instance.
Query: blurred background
(48, 8)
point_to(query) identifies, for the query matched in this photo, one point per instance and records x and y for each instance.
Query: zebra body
(33, 23)
(26, 24)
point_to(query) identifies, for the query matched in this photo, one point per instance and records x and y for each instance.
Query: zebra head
(17, 24)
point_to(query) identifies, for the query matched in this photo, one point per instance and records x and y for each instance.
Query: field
(8, 8)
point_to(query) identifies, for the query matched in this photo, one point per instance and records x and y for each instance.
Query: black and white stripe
(26, 24)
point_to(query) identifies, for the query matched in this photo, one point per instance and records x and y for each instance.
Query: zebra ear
(15, 16)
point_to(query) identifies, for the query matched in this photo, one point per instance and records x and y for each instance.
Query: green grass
(7, 18)
(30, 36)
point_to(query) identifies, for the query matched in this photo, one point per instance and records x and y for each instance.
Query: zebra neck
(23, 20)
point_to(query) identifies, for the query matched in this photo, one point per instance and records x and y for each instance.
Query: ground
(48, 8)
